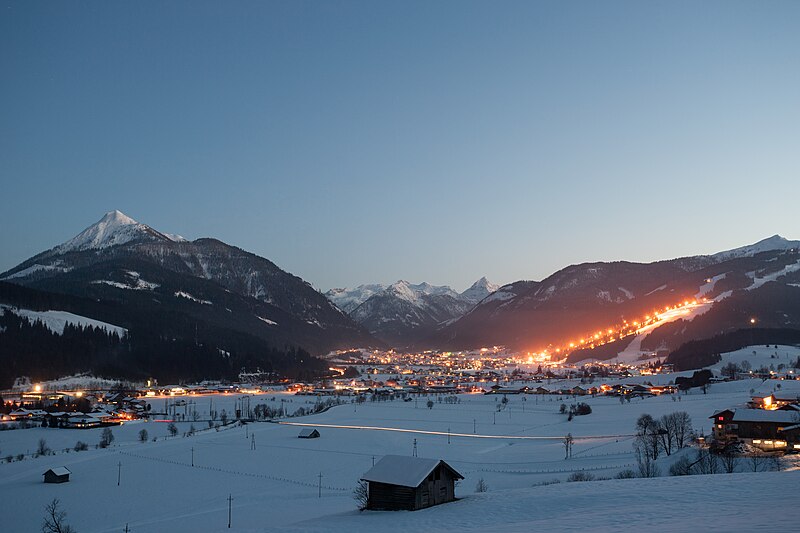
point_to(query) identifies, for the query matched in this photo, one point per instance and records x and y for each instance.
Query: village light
(37, 388)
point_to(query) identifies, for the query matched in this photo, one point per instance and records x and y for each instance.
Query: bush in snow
(106, 438)
(625, 474)
(81, 446)
(481, 486)
(580, 476)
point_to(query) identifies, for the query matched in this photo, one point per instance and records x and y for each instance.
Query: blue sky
(357, 142)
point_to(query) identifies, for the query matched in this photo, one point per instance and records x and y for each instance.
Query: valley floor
(275, 487)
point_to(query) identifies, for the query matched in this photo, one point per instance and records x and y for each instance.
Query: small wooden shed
(399, 483)
(59, 474)
(308, 433)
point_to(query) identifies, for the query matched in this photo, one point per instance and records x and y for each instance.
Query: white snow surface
(135, 283)
(25, 272)
(183, 294)
(275, 487)
(788, 269)
(633, 352)
(56, 321)
(709, 285)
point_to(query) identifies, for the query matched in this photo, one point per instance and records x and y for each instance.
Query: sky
(366, 142)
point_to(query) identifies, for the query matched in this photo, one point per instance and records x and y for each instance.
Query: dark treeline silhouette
(697, 354)
(171, 347)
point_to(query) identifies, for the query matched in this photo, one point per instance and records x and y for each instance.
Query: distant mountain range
(760, 281)
(403, 313)
(204, 309)
(204, 290)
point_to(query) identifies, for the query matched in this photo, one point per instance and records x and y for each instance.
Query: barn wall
(391, 497)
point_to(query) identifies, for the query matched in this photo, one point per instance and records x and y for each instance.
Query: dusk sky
(364, 142)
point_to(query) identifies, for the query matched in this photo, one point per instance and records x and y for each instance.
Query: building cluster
(769, 423)
(73, 410)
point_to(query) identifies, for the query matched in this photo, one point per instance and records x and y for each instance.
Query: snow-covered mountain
(761, 280)
(113, 229)
(120, 258)
(776, 242)
(479, 290)
(348, 299)
(403, 313)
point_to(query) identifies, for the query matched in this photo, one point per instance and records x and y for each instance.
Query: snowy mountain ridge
(404, 311)
(776, 242)
(115, 228)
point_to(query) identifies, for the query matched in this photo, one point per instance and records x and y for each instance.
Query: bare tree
(706, 462)
(729, 461)
(644, 459)
(681, 467)
(173, 429)
(481, 486)
(568, 441)
(143, 435)
(361, 494)
(54, 519)
(757, 461)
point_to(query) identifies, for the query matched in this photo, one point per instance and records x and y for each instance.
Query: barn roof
(760, 415)
(307, 432)
(60, 471)
(404, 471)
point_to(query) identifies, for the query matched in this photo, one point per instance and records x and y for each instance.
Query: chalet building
(308, 433)
(398, 483)
(773, 401)
(59, 474)
(769, 430)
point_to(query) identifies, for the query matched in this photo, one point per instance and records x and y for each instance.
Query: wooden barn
(398, 483)
(57, 475)
(308, 433)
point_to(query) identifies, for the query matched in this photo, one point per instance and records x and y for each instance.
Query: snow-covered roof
(404, 471)
(759, 415)
(60, 471)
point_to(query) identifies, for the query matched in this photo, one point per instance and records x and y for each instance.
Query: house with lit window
(769, 430)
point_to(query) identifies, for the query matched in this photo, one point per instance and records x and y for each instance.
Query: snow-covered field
(276, 485)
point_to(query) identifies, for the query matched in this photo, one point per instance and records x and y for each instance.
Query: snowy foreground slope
(276, 486)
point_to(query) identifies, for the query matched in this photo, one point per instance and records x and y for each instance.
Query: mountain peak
(776, 242)
(114, 228)
(479, 290)
(117, 217)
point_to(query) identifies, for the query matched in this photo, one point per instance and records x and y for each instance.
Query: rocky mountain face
(404, 313)
(206, 280)
(580, 299)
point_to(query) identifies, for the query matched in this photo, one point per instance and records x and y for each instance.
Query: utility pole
(252, 442)
(448, 435)
(192, 455)
(494, 420)
(119, 472)
(414, 453)
(126, 528)
(230, 499)
(320, 485)
(373, 460)
(474, 426)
